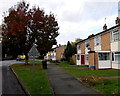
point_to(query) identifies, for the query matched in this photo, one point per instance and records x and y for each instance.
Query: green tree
(69, 51)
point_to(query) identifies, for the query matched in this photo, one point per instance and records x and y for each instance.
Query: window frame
(103, 59)
(114, 54)
(97, 40)
(87, 44)
(115, 35)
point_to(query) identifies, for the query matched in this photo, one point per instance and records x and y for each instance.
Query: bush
(93, 80)
(71, 62)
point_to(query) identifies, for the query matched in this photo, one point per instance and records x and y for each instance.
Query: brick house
(101, 50)
(56, 53)
(51, 55)
(60, 52)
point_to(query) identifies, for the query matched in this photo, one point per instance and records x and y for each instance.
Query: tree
(78, 40)
(23, 27)
(69, 51)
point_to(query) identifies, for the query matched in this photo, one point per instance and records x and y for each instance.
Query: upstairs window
(116, 35)
(97, 40)
(78, 46)
(87, 44)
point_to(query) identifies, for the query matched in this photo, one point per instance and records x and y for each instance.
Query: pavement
(10, 85)
(64, 83)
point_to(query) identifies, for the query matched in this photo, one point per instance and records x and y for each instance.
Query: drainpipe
(94, 61)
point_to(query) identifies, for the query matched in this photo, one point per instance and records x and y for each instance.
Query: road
(9, 84)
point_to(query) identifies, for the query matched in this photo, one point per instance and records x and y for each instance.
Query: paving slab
(64, 83)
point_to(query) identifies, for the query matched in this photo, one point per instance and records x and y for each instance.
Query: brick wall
(91, 59)
(74, 58)
(105, 41)
(82, 45)
(60, 52)
(92, 44)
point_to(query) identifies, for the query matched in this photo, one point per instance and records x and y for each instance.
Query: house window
(116, 35)
(87, 44)
(86, 57)
(104, 56)
(78, 46)
(116, 57)
(97, 40)
(78, 57)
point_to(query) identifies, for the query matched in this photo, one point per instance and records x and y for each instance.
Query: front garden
(95, 78)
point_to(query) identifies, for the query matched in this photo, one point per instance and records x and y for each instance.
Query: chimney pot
(104, 27)
(117, 21)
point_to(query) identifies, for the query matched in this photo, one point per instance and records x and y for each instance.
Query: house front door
(82, 59)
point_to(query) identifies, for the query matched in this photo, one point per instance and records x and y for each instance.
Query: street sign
(33, 51)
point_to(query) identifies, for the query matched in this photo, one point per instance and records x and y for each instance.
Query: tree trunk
(26, 59)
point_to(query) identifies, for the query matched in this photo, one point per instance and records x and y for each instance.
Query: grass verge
(37, 83)
(107, 86)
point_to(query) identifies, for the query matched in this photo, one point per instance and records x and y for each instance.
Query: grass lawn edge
(85, 84)
(19, 81)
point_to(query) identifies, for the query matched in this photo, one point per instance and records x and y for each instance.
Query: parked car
(20, 57)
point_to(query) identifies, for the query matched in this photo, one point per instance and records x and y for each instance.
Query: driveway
(9, 83)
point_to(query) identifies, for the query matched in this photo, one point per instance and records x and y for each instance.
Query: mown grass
(37, 83)
(110, 86)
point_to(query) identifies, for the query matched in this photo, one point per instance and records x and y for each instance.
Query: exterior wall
(92, 44)
(74, 58)
(82, 47)
(91, 59)
(60, 52)
(97, 48)
(86, 50)
(78, 49)
(105, 41)
(114, 46)
(96, 61)
(115, 65)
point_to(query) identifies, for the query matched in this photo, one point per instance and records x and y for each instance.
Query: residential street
(9, 84)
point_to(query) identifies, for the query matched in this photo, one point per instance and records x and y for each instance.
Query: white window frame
(86, 57)
(115, 35)
(87, 43)
(79, 57)
(114, 56)
(78, 47)
(103, 59)
(97, 41)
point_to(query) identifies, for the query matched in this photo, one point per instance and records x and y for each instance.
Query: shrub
(93, 80)
(71, 62)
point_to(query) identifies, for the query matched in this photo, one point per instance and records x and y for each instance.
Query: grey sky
(76, 18)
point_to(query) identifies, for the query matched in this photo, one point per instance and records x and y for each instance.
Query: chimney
(117, 21)
(104, 27)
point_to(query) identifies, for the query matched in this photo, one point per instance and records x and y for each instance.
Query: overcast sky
(76, 18)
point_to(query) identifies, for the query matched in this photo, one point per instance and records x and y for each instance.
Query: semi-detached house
(101, 50)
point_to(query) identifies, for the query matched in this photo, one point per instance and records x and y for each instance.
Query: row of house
(56, 53)
(101, 50)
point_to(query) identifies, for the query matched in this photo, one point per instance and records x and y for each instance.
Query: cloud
(76, 18)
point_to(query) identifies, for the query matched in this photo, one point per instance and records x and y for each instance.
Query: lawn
(37, 83)
(110, 86)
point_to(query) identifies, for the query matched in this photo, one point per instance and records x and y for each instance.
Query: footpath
(64, 83)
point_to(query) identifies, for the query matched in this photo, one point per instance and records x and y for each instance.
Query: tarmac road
(9, 84)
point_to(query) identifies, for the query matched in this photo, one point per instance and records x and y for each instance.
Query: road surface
(8, 83)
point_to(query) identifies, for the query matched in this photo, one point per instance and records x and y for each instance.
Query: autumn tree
(24, 26)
